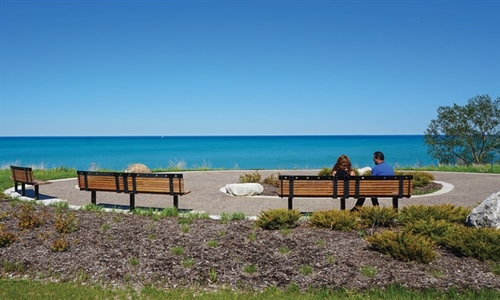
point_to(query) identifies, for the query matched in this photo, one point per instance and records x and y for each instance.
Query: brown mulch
(116, 249)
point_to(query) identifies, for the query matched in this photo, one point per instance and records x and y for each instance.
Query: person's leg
(375, 202)
(358, 204)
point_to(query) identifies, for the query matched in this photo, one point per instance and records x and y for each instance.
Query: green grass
(34, 290)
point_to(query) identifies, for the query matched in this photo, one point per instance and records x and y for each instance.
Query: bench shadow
(31, 194)
(127, 207)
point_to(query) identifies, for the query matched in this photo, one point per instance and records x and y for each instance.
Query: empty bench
(24, 176)
(395, 187)
(132, 184)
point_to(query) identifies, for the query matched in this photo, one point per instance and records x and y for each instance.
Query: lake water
(218, 152)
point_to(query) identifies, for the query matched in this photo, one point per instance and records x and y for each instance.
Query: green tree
(465, 135)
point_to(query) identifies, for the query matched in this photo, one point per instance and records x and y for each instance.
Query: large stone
(243, 189)
(137, 168)
(362, 171)
(486, 214)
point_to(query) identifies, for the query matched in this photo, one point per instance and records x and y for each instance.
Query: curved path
(461, 189)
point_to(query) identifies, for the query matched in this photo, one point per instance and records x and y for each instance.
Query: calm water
(227, 152)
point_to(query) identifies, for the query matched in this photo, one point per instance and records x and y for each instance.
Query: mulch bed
(116, 249)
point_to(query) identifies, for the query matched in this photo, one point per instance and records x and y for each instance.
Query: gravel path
(460, 189)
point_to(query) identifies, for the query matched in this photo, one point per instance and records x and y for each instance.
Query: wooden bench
(395, 187)
(24, 176)
(132, 184)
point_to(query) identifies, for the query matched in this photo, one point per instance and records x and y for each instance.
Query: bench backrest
(22, 174)
(344, 187)
(131, 183)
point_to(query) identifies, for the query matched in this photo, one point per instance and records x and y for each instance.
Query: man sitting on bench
(380, 169)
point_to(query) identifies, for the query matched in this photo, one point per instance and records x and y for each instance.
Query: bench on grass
(24, 176)
(132, 184)
(395, 187)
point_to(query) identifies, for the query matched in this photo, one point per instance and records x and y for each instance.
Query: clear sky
(72, 68)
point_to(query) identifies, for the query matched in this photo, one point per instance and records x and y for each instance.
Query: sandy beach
(461, 189)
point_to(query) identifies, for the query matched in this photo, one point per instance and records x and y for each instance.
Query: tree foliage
(466, 135)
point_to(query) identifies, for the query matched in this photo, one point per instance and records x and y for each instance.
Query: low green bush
(377, 216)
(437, 230)
(480, 243)
(404, 246)
(420, 179)
(282, 218)
(335, 219)
(250, 178)
(447, 212)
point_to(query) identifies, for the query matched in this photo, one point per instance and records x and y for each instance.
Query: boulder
(486, 214)
(243, 189)
(362, 171)
(137, 168)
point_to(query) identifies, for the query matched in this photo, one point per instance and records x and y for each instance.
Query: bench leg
(176, 201)
(15, 187)
(395, 203)
(37, 191)
(342, 203)
(132, 202)
(290, 203)
(23, 189)
(93, 197)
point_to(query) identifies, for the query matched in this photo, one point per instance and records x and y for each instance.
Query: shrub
(278, 219)
(480, 243)
(6, 238)
(420, 179)
(325, 172)
(447, 212)
(272, 180)
(377, 216)
(59, 245)
(438, 230)
(335, 219)
(250, 178)
(66, 225)
(404, 246)
(28, 218)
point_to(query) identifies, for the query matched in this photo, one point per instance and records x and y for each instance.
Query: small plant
(92, 207)
(184, 228)
(212, 275)
(283, 250)
(28, 218)
(133, 261)
(224, 218)
(368, 271)
(335, 219)
(177, 250)
(188, 263)
(13, 266)
(320, 243)
(495, 268)
(66, 224)
(305, 269)
(330, 259)
(404, 246)
(212, 244)
(169, 212)
(437, 273)
(278, 219)
(252, 236)
(250, 269)
(236, 216)
(105, 226)
(285, 231)
(6, 238)
(60, 206)
(222, 233)
(59, 245)
(272, 180)
(325, 172)
(152, 236)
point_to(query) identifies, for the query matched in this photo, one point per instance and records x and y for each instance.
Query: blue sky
(73, 68)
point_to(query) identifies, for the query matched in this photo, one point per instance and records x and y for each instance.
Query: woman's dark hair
(343, 163)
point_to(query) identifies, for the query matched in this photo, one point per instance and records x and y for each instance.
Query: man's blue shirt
(382, 169)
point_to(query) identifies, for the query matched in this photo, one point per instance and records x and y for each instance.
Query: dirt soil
(117, 249)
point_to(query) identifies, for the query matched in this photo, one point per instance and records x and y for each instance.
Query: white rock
(486, 214)
(243, 189)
